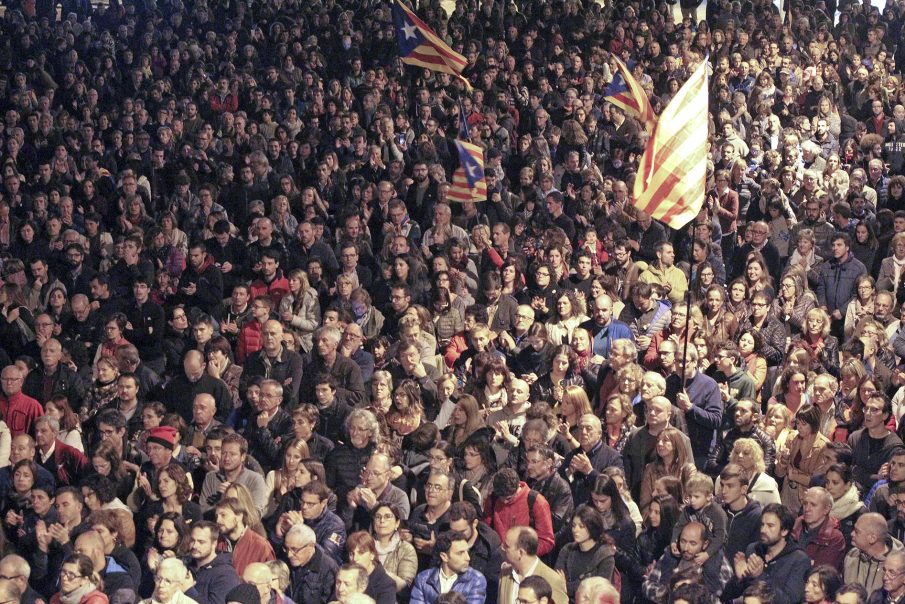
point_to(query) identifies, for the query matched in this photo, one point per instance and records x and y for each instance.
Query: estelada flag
(468, 182)
(672, 173)
(420, 46)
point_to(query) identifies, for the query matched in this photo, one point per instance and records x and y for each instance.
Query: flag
(468, 183)
(625, 92)
(671, 176)
(420, 46)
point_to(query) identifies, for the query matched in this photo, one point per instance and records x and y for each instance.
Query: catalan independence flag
(625, 92)
(672, 173)
(468, 182)
(420, 46)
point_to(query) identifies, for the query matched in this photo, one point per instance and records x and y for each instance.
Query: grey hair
(303, 532)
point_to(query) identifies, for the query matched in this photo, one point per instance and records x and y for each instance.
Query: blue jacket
(704, 417)
(470, 584)
(216, 579)
(837, 283)
(603, 337)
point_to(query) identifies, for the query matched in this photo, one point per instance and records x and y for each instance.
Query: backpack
(532, 498)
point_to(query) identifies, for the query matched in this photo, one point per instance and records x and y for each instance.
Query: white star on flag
(409, 30)
(472, 170)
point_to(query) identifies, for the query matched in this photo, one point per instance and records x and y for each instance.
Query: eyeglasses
(888, 572)
(295, 550)
(436, 488)
(758, 304)
(70, 575)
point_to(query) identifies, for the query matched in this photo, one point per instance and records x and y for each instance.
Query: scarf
(75, 596)
(384, 552)
(847, 505)
(582, 359)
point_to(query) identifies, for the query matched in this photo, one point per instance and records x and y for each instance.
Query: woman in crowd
(762, 487)
(79, 582)
(396, 556)
(300, 309)
(803, 458)
(567, 316)
(619, 421)
(587, 555)
(821, 346)
(861, 305)
(671, 459)
(847, 504)
(70, 426)
(362, 550)
(793, 302)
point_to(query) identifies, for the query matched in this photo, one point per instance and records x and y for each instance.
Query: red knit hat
(164, 436)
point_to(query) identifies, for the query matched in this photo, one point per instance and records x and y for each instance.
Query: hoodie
(785, 574)
(742, 527)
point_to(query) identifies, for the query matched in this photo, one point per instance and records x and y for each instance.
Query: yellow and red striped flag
(671, 176)
(626, 92)
(420, 46)
(468, 182)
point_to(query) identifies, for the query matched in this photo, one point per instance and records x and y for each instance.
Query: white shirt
(446, 583)
(518, 580)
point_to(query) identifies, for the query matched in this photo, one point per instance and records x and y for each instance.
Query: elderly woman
(793, 302)
(816, 339)
(344, 464)
(803, 458)
(805, 255)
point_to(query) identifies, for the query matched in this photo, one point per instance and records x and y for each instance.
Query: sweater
(599, 561)
(869, 454)
(251, 547)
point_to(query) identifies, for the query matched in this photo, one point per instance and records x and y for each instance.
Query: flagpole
(685, 348)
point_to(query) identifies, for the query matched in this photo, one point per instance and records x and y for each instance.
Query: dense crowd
(233, 279)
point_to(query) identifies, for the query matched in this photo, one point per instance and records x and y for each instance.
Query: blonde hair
(752, 448)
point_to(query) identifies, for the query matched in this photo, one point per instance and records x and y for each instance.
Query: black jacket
(268, 442)
(742, 529)
(313, 583)
(147, 331)
(64, 381)
(601, 456)
(179, 394)
(216, 579)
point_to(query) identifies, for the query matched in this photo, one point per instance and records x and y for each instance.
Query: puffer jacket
(837, 283)
(250, 340)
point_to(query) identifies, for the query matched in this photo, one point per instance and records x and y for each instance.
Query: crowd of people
(252, 352)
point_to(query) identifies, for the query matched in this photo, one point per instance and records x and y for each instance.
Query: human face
(813, 590)
(665, 448)
(472, 458)
(873, 414)
(359, 433)
(813, 510)
(231, 457)
(166, 486)
(746, 344)
(203, 547)
(835, 485)
(580, 532)
(893, 575)
(770, 530)
(71, 579)
(561, 363)
(167, 535)
(458, 558)
(897, 469)
(375, 474)
(385, 523)
(23, 480)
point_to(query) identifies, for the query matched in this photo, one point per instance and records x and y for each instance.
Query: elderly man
(374, 487)
(170, 582)
(507, 422)
(351, 347)
(270, 429)
(18, 410)
(325, 358)
(622, 352)
(277, 362)
(639, 450)
(312, 574)
(871, 547)
(179, 394)
(759, 242)
(427, 519)
(23, 447)
(582, 465)
(703, 406)
(53, 378)
(351, 579)
(16, 571)
(816, 531)
(65, 462)
(893, 585)
(258, 574)
(520, 545)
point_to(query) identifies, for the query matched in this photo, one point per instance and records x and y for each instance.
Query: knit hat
(244, 593)
(164, 436)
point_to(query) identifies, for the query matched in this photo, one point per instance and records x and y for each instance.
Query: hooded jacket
(785, 574)
(827, 546)
(860, 567)
(742, 527)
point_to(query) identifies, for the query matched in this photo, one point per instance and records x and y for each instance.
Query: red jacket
(828, 547)
(251, 547)
(19, 411)
(218, 104)
(502, 516)
(70, 463)
(276, 289)
(250, 340)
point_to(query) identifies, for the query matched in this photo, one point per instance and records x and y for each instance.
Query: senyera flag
(420, 46)
(673, 170)
(468, 182)
(625, 92)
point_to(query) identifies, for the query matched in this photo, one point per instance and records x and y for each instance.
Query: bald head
(22, 447)
(91, 544)
(259, 575)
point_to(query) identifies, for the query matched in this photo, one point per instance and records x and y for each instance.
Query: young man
(742, 512)
(214, 572)
(452, 574)
(246, 545)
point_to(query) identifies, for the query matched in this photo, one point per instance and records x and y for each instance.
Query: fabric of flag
(420, 46)
(625, 92)
(468, 182)
(673, 170)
